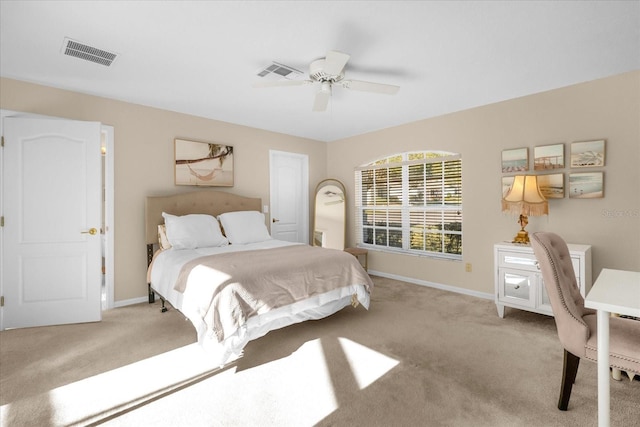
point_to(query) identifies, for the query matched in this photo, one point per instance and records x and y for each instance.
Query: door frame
(108, 132)
(109, 215)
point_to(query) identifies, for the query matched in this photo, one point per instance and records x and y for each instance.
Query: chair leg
(569, 371)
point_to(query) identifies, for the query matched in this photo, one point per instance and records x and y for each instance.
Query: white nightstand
(518, 281)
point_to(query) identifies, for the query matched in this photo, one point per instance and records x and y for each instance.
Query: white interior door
(289, 199)
(51, 187)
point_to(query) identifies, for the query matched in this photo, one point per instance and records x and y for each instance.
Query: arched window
(412, 203)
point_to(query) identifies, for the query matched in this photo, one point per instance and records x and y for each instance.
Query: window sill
(430, 255)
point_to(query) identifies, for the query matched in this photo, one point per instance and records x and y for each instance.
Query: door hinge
(2, 141)
(1, 301)
(1, 221)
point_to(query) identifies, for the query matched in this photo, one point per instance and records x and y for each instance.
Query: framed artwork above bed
(203, 163)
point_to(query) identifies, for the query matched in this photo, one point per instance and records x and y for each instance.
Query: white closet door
(289, 199)
(52, 208)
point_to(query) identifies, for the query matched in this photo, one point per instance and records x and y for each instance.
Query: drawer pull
(537, 265)
(517, 287)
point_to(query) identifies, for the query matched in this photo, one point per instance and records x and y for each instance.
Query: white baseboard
(131, 301)
(449, 288)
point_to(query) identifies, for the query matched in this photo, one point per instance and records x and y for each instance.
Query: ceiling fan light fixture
(325, 87)
(326, 72)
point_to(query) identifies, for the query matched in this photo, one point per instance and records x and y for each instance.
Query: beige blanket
(232, 287)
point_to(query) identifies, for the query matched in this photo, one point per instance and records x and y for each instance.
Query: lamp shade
(525, 198)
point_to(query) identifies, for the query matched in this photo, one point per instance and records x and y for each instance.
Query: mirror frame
(320, 186)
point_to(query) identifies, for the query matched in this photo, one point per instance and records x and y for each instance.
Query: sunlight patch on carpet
(367, 365)
(98, 396)
(298, 389)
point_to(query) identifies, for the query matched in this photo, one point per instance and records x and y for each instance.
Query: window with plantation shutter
(411, 203)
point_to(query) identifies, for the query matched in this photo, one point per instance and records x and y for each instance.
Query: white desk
(615, 291)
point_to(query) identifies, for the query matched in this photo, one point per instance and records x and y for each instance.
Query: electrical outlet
(467, 267)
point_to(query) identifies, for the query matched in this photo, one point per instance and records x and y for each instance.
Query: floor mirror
(329, 220)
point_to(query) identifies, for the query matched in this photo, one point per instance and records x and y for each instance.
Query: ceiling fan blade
(279, 83)
(369, 86)
(322, 98)
(334, 62)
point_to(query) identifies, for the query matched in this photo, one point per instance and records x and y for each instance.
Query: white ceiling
(201, 57)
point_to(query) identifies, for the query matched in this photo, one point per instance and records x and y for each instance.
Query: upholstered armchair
(576, 325)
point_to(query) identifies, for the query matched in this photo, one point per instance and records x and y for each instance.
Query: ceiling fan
(330, 195)
(329, 72)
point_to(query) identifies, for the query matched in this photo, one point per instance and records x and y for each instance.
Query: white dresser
(518, 281)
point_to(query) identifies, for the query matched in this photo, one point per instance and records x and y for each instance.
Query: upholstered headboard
(199, 202)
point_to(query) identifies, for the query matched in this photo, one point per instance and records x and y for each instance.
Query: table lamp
(524, 199)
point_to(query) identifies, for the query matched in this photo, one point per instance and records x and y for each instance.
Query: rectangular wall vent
(277, 71)
(88, 53)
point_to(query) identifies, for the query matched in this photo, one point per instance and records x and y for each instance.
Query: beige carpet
(420, 356)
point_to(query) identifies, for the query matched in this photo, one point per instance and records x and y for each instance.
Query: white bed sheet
(167, 265)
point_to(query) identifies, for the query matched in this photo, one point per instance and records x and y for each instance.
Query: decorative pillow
(193, 231)
(244, 227)
(163, 242)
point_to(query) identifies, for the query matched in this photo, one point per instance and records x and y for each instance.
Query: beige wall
(144, 160)
(607, 108)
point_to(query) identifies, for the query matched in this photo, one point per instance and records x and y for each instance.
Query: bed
(211, 257)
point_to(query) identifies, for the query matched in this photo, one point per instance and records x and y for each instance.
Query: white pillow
(193, 231)
(163, 242)
(244, 227)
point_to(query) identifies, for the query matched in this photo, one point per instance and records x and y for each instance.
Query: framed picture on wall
(203, 163)
(587, 185)
(516, 160)
(507, 182)
(587, 154)
(551, 185)
(548, 157)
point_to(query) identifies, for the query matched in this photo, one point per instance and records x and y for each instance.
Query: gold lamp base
(523, 236)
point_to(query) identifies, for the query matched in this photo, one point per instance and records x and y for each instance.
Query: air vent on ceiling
(88, 53)
(278, 71)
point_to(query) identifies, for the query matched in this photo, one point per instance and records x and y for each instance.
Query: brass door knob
(275, 220)
(91, 231)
